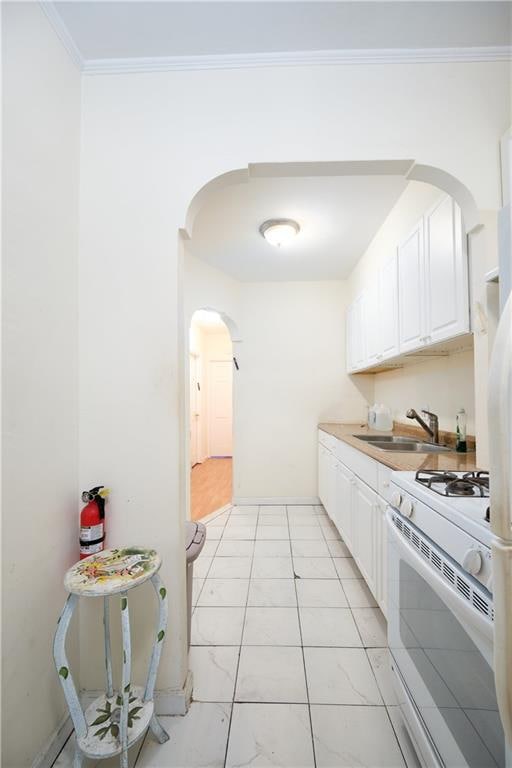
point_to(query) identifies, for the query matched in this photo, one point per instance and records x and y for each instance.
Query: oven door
(442, 646)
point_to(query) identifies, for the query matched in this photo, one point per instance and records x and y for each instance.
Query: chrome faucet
(432, 428)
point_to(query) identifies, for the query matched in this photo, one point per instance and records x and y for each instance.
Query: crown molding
(297, 59)
(62, 33)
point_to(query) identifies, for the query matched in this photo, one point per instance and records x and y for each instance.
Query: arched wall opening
(474, 223)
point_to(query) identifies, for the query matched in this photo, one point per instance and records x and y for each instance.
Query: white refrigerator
(500, 439)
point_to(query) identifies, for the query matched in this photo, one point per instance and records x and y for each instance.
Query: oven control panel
(473, 557)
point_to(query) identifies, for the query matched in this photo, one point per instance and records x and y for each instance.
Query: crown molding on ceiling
(62, 32)
(297, 59)
(277, 59)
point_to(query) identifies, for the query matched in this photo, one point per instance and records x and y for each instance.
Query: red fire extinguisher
(92, 521)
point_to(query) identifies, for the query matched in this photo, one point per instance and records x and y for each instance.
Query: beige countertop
(462, 462)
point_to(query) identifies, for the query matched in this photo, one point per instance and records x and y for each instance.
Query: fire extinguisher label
(91, 532)
(91, 549)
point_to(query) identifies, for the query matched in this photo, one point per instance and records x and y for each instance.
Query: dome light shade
(279, 231)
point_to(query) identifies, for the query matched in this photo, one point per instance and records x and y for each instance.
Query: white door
(446, 279)
(194, 409)
(388, 307)
(410, 290)
(220, 388)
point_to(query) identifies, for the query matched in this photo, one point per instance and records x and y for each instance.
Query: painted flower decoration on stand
(107, 713)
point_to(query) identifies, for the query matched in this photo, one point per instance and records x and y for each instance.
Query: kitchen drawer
(384, 480)
(362, 466)
(329, 441)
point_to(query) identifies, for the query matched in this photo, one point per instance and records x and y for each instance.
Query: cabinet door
(381, 544)
(321, 473)
(330, 504)
(388, 308)
(344, 504)
(371, 323)
(365, 501)
(355, 335)
(411, 290)
(446, 279)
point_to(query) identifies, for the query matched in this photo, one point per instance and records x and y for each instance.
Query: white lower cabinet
(343, 519)
(364, 515)
(358, 511)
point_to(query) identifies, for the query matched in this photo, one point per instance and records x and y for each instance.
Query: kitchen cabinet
(446, 280)
(343, 519)
(348, 486)
(419, 296)
(371, 326)
(381, 555)
(388, 320)
(355, 334)
(365, 520)
(411, 290)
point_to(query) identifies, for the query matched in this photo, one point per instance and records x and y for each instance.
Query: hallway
(288, 654)
(210, 486)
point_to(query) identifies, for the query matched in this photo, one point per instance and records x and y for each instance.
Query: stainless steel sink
(386, 439)
(399, 444)
(410, 447)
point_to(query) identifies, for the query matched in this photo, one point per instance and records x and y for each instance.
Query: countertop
(461, 462)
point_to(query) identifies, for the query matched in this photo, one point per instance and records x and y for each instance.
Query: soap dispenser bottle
(461, 444)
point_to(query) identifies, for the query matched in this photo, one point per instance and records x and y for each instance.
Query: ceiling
(338, 216)
(127, 30)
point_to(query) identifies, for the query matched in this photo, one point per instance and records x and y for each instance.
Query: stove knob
(472, 561)
(407, 508)
(396, 499)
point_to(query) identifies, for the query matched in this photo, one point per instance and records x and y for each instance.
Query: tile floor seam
(302, 651)
(240, 648)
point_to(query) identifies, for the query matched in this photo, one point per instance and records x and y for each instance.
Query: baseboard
(55, 744)
(175, 702)
(242, 501)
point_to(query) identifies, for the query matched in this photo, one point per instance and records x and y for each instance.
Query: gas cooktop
(462, 497)
(457, 484)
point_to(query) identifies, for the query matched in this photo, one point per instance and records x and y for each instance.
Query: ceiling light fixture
(279, 231)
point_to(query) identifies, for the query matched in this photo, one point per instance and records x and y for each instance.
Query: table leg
(62, 665)
(108, 652)
(155, 727)
(125, 626)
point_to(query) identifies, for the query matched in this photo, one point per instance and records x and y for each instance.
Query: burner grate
(468, 485)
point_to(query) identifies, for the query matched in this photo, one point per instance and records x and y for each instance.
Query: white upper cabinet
(411, 289)
(372, 323)
(355, 335)
(388, 308)
(420, 296)
(447, 312)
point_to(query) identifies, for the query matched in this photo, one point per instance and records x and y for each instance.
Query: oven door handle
(478, 623)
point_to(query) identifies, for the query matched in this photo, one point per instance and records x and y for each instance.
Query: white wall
(442, 385)
(41, 128)
(150, 142)
(292, 375)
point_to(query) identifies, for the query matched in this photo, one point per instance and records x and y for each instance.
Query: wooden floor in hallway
(211, 486)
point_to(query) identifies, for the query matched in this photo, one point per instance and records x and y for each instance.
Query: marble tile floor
(288, 654)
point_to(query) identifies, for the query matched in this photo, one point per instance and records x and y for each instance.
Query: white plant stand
(116, 719)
